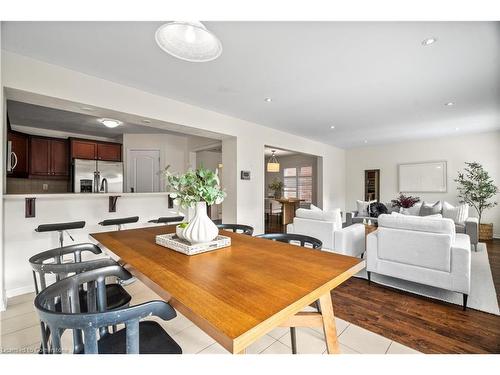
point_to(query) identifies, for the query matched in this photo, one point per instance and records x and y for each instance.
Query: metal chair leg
(294, 340)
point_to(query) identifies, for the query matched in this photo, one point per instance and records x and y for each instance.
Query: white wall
(211, 160)
(31, 75)
(483, 148)
(22, 242)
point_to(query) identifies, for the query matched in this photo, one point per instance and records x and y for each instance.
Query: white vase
(200, 229)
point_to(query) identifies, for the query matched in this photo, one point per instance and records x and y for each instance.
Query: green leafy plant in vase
(276, 186)
(196, 189)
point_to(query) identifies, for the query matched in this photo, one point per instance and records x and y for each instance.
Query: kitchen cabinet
(109, 151)
(49, 158)
(17, 159)
(82, 149)
(95, 150)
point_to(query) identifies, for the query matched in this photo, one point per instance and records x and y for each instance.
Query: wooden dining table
(239, 293)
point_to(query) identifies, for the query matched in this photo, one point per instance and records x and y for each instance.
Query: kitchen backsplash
(36, 186)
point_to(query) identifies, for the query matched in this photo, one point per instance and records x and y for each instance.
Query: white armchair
(423, 250)
(327, 227)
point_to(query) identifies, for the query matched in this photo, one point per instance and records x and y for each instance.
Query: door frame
(127, 161)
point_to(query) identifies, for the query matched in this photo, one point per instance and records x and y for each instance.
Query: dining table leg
(329, 326)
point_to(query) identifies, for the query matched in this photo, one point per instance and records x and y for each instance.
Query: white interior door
(143, 171)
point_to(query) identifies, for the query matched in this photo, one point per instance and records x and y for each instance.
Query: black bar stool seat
(167, 219)
(61, 228)
(120, 221)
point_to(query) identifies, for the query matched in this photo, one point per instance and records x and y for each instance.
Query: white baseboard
(19, 291)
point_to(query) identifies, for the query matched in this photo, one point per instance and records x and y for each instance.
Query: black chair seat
(116, 297)
(152, 340)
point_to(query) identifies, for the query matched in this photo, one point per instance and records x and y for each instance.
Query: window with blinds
(297, 183)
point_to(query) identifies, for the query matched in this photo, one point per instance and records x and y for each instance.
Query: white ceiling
(36, 116)
(373, 81)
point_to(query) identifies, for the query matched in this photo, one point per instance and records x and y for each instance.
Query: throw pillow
(377, 209)
(456, 213)
(430, 208)
(314, 208)
(413, 211)
(363, 207)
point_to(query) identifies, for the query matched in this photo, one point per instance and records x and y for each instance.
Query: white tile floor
(20, 332)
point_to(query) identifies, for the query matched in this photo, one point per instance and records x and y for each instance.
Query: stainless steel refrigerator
(95, 176)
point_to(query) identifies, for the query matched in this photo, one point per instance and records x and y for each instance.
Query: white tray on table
(173, 242)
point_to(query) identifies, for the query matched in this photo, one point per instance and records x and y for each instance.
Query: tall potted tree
(476, 188)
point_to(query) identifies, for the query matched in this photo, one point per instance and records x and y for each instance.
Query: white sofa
(423, 250)
(326, 226)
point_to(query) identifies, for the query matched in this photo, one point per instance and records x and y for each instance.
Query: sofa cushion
(413, 210)
(417, 223)
(422, 249)
(427, 209)
(332, 215)
(457, 213)
(363, 207)
(460, 228)
(314, 208)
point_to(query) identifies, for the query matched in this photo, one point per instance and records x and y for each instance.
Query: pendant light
(273, 164)
(189, 41)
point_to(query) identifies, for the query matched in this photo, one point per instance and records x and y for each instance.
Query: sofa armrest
(461, 263)
(348, 217)
(350, 240)
(372, 251)
(472, 229)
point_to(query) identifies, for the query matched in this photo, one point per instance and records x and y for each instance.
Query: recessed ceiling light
(332, 127)
(457, 129)
(268, 100)
(449, 104)
(146, 121)
(109, 122)
(429, 41)
(365, 141)
(189, 41)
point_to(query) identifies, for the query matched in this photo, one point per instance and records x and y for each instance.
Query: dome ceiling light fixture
(109, 122)
(273, 165)
(189, 41)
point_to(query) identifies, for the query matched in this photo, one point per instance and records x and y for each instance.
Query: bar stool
(167, 220)
(61, 228)
(237, 228)
(119, 222)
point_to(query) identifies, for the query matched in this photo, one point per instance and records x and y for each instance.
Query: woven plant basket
(485, 232)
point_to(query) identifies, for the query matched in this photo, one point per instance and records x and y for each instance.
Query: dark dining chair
(291, 238)
(303, 240)
(167, 220)
(237, 228)
(90, 333)
(120, 221)
(51, 263)
(61, 228)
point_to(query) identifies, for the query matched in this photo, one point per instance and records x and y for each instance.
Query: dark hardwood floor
(421, 323)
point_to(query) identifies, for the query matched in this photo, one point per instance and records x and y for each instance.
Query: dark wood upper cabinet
(95, 150)
(48, 158)
(18, 157)
(59, 157)
(109, 151)
(82, 149)
(39, 156)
